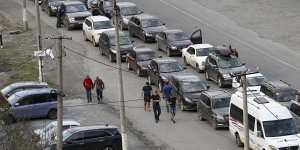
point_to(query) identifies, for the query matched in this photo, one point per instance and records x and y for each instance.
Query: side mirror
(259, 134)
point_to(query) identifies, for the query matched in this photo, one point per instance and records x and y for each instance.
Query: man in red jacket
(88, 85)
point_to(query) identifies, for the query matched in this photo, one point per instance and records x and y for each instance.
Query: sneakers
(173, 121)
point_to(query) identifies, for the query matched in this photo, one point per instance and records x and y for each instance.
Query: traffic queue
(274, 108)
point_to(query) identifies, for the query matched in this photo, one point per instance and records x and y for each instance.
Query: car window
(295, 109)
(177, 36)
(77, 136)
(42, 98)
(205, 100)
(151, 23)
(204, 51)
(28, 100)
(191, 51)
(88, 23)
(95, 134)
(75, 8)
(129, 11)
(98, 25)
(212, 61)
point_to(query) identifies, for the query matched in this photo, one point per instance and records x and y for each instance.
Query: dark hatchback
(161, 69)
(139, 59)
(91, 138)
(188, 88)
(145, 27)
(51, 6)
(214, 107)
(75, 14)
(220, 65)
(172, 41)
(108, 46)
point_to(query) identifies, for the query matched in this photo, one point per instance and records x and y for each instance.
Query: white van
(271, 126)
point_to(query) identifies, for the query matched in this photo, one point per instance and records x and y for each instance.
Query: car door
(42, 103)
(213, 69)
(196, 37)
(191, 56)
(258, 140)
(75, 142)
(23, 108)
(96, 139)
(139, 29)
(207, 112)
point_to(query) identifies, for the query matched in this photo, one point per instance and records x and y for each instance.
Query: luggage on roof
(223, 51)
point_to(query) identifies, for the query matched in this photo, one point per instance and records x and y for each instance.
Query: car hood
(233, 70)
(168, 76)
(221, 111)
(181, 43)
(103, 30)
(144, 64)
(125, 47)
(195, 97)
(155, 29)
(284, 141)
(79, 14)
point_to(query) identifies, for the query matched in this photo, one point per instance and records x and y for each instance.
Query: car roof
(85, 128)
(25, 84)
(113, 33)
(33, 91)
(217, 94)
(143, 50)
(187, 77)
(72, 2)
(277, 85)
(126, 4)
(173, 31)
(164, 60)
(67, 122)
(199, 46)
(145, 16)
(98, 18)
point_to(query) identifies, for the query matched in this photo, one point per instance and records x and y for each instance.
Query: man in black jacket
(60, 13)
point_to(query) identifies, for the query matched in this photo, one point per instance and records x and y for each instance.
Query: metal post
(1, 39)
(39, 42)
(25, 22)
(121, 88)
(60, 89)
(245, 112)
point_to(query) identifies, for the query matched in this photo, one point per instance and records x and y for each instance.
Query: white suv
(93, 26)
(195, 55)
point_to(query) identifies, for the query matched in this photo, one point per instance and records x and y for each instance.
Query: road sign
(39, 53)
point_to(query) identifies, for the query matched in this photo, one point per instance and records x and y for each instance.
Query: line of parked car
(272, 126)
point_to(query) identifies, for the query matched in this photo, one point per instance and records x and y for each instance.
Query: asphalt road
(275, 60)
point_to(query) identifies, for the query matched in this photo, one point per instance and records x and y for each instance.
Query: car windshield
(13, 99)
(229, 62)
(177, 36)
(221, 103)
(255, 81)
(151, 23)
(129, 11)
(66, 134)
(204, 51)
(170, 67)
(75, 8)
(102, 25)
(107, 4)
(145, 56)
(192, 87)
(124, 40)
(286, 95)
(280, 128)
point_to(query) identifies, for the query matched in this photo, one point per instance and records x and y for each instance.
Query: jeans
(167, 104)
(99, 94)
(157, 111)
(89, 95)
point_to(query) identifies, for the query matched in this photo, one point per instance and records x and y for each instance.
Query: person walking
(173, 108)
(99, 84)
(147, 90)
(88, 85)
(59, 14)
(167, 93)
(156, 105)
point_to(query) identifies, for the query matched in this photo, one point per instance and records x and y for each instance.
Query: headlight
(114, 51)
(226, 76)
(188, 100)
(148, 34)
(272, 147)
(173, 47)
(71, 19)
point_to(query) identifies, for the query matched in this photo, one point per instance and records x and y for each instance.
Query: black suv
(220, 65)
(188, 88)
(108, 46)
(214, 107)
(145, 27)
(279, 91)
(51, 6)
(91, 138)
(161, 69)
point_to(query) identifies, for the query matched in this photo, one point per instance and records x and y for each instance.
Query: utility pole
(25, 22)
(39, 42)
(121, 88)
(245, 112)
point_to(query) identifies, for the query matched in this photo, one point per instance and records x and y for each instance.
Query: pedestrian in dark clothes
(156, 105)
(147, 90)
(99, 85)
(59, 14)
(88, 85)
(172, 103)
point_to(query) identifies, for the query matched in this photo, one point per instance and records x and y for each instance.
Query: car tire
(207, 76)
(128, 66)
(220, 82)
(94, 42)
(139, 72)
(108, 148)
(111, 57)
(238, 140)
(185, 62)
(52, 114)
(214, 124)
(84, 36)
